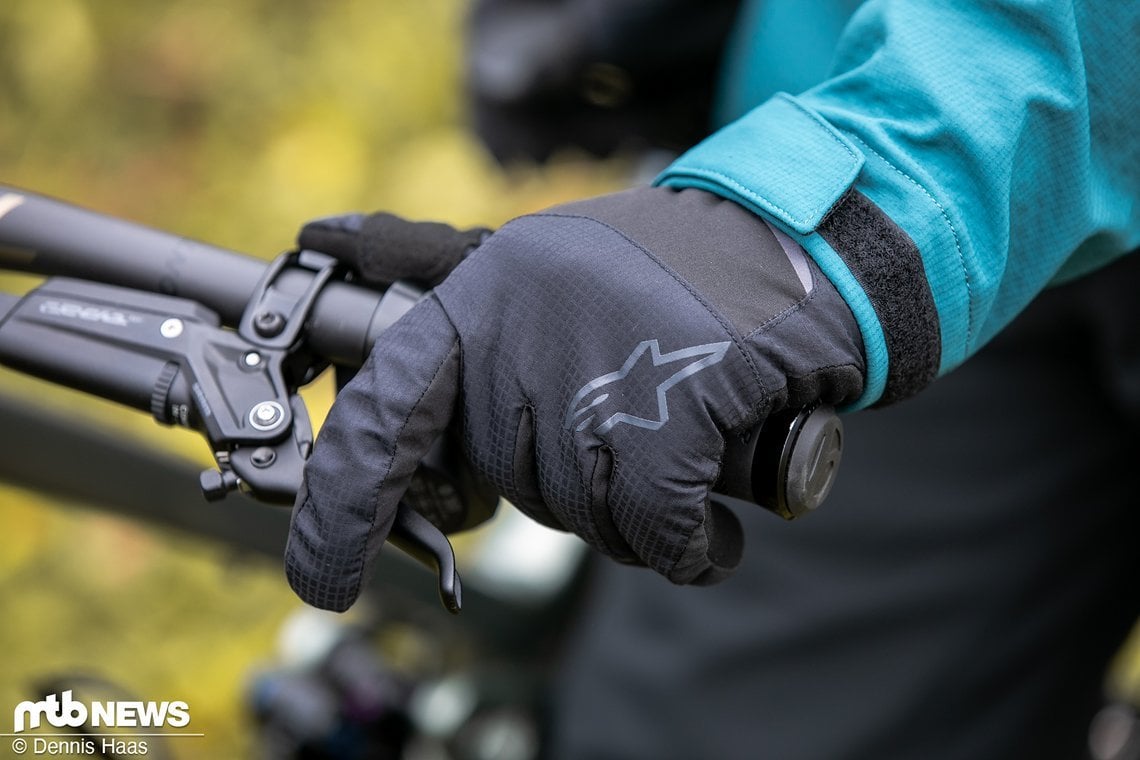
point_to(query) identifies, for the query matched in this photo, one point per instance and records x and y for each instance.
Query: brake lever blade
(413, 534)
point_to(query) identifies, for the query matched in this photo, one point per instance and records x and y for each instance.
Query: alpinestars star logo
(696, 358)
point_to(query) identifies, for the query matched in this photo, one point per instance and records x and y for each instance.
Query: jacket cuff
(787, 164)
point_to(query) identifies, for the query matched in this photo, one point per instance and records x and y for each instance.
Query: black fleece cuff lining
(887, 264)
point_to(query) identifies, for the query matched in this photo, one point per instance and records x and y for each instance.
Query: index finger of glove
(384, 248)
(378, 430)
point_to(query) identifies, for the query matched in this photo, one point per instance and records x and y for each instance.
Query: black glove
(597, 356)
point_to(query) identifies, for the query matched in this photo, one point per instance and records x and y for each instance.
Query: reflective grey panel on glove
(599, 354)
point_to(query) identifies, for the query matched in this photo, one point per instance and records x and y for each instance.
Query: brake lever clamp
(272, 326)
(279, 307)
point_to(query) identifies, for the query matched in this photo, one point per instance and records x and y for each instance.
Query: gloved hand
(596, 355)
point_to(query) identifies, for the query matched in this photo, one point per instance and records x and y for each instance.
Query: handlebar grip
(51, 237)
(788, 464)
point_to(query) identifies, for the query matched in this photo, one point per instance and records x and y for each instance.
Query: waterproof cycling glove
(596, 357)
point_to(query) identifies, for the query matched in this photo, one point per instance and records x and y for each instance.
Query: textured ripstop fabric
(596, 385)
(599, 298)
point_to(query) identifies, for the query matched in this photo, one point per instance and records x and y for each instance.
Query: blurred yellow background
(230, 122)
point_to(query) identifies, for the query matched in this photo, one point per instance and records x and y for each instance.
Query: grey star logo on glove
(701, 357)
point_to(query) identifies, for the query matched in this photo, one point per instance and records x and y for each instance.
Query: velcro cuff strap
(887, 265)
(780, 159)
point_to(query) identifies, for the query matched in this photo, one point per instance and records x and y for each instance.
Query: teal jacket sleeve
(961, 157)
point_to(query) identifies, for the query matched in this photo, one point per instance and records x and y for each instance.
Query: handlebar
(45, 236)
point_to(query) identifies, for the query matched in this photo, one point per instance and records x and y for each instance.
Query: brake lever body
(172, 357)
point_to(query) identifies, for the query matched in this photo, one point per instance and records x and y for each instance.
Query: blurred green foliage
(230, 121)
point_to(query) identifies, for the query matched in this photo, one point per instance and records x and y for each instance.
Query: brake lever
(413, 534)
(272, 473)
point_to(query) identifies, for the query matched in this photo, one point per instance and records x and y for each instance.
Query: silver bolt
(252, 359)
(266, 415)
(171, 328)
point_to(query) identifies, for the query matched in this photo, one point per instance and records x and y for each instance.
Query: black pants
(958, 596)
